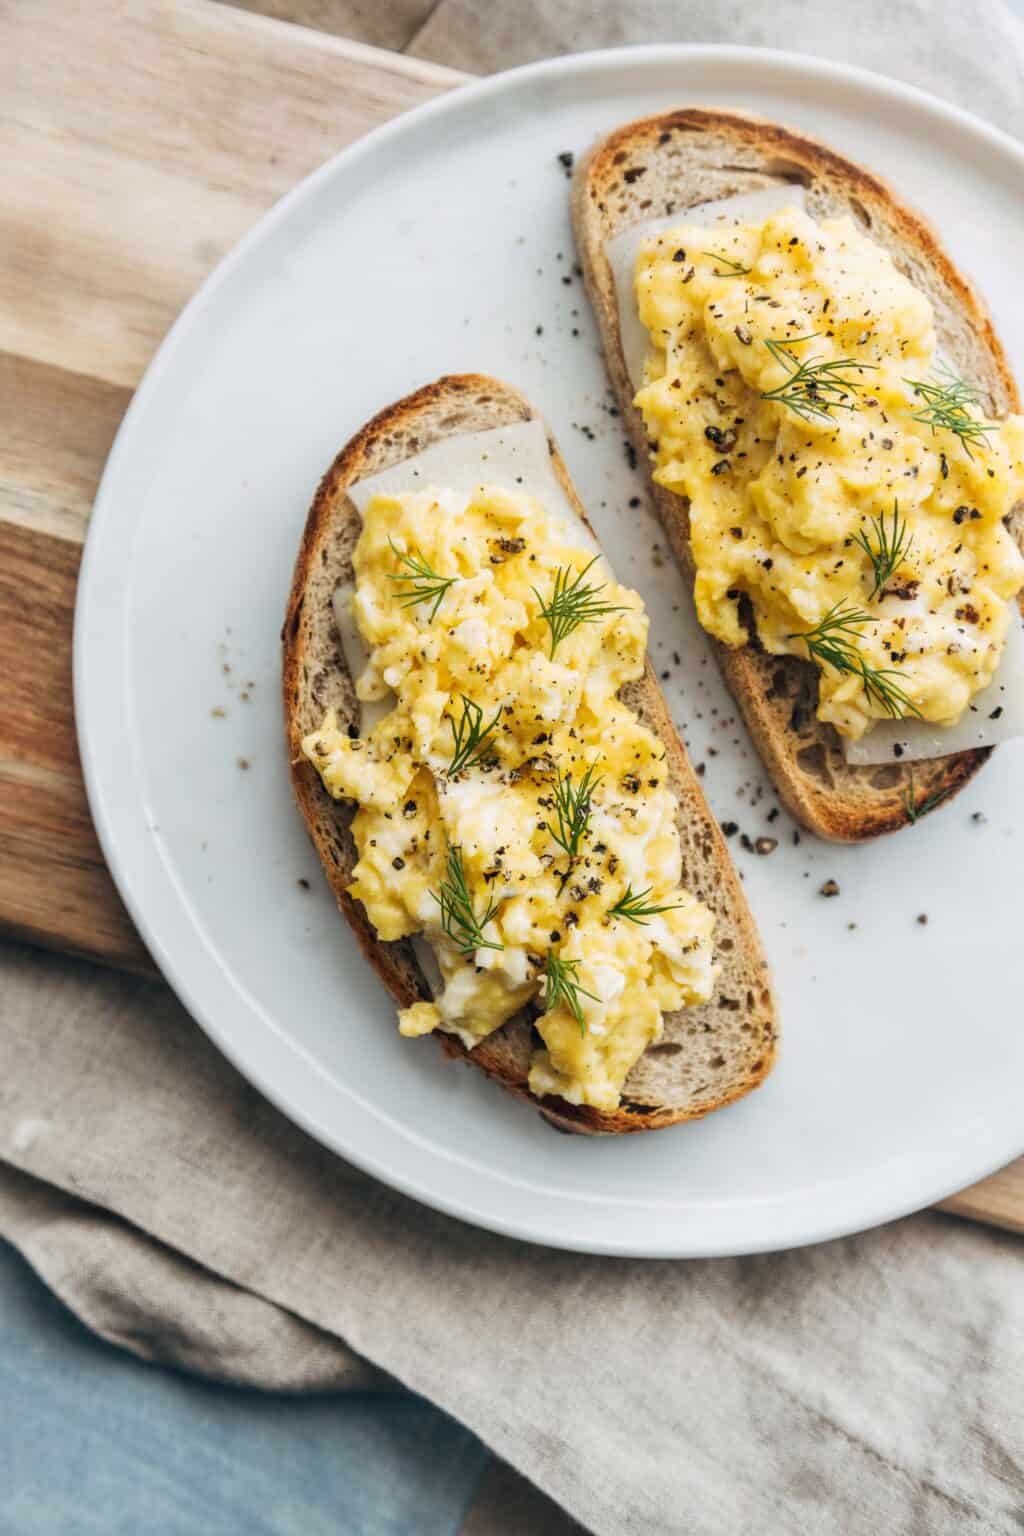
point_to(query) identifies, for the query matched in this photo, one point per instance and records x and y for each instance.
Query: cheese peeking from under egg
(483, 642)
(782, 391)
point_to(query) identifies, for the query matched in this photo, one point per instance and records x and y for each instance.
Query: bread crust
(777, 696)
(470, 402)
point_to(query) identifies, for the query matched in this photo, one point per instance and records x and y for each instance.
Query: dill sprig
(946, 406)
(470, 744)
(833, 643)
(572, 809)
(910, 803)
(891, 546)
(733, 268)
(814, 389)
(562, 987)
(637, 909)
(423, 584)
(458, 919)
(573, 602)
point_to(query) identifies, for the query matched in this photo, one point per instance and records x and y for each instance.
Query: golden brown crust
(863, 812)
(393, 963)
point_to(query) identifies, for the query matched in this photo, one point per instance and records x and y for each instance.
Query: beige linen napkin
(868, 1385)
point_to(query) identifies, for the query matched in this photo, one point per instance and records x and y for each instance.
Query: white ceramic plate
(442, 243)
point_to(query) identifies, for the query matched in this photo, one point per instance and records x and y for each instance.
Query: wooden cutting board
(136, 154)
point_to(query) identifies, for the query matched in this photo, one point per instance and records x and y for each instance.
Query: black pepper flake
(723, 439)
(302, 883)
(729, 828)
(397, 863)
(979, 817)
(743, 336)
(409, 808)
(746, 843)
(996, 712)
(765, 845)
(679, 255)
(720, 467)
(634, 501)
(352, 731)
(830, 888)
(922, 918)
(565, 159)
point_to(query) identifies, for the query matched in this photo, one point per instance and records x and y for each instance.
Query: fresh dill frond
(946, 406)
(572, 809)
(562, 987)
(422, 584)
(636, 907)
(815, 389)
(891, 546)
(913, 809)
(458, 919)
(470, 744)
(573, 602)
(833, 643)
(733, 268)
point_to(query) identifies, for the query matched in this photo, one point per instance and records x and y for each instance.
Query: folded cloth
(866, 1385)
(970, 52)
(863, 1385)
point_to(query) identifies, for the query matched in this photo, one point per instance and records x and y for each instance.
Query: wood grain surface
(137, 152)
(154, 184)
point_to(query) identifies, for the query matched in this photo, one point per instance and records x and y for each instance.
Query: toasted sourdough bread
(709, 1055)
(663, 165)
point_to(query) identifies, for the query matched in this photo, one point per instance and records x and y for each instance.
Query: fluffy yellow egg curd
(512, 809)
(845, 493)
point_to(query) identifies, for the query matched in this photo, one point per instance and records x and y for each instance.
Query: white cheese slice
(515, 457)
(357, 656)
(911, 741)
(622, 251)
(427, 960)
(889, 740)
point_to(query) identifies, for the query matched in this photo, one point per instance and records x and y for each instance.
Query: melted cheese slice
(997, 713)
(624, 248)
(517, 455)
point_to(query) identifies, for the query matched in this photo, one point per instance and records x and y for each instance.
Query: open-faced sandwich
(490, 776)
(823, 405)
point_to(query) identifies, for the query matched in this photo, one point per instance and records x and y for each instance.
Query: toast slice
(709, 1055)
(663, 165)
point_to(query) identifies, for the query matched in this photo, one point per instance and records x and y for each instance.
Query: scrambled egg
(830, 500)
(468, 851)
